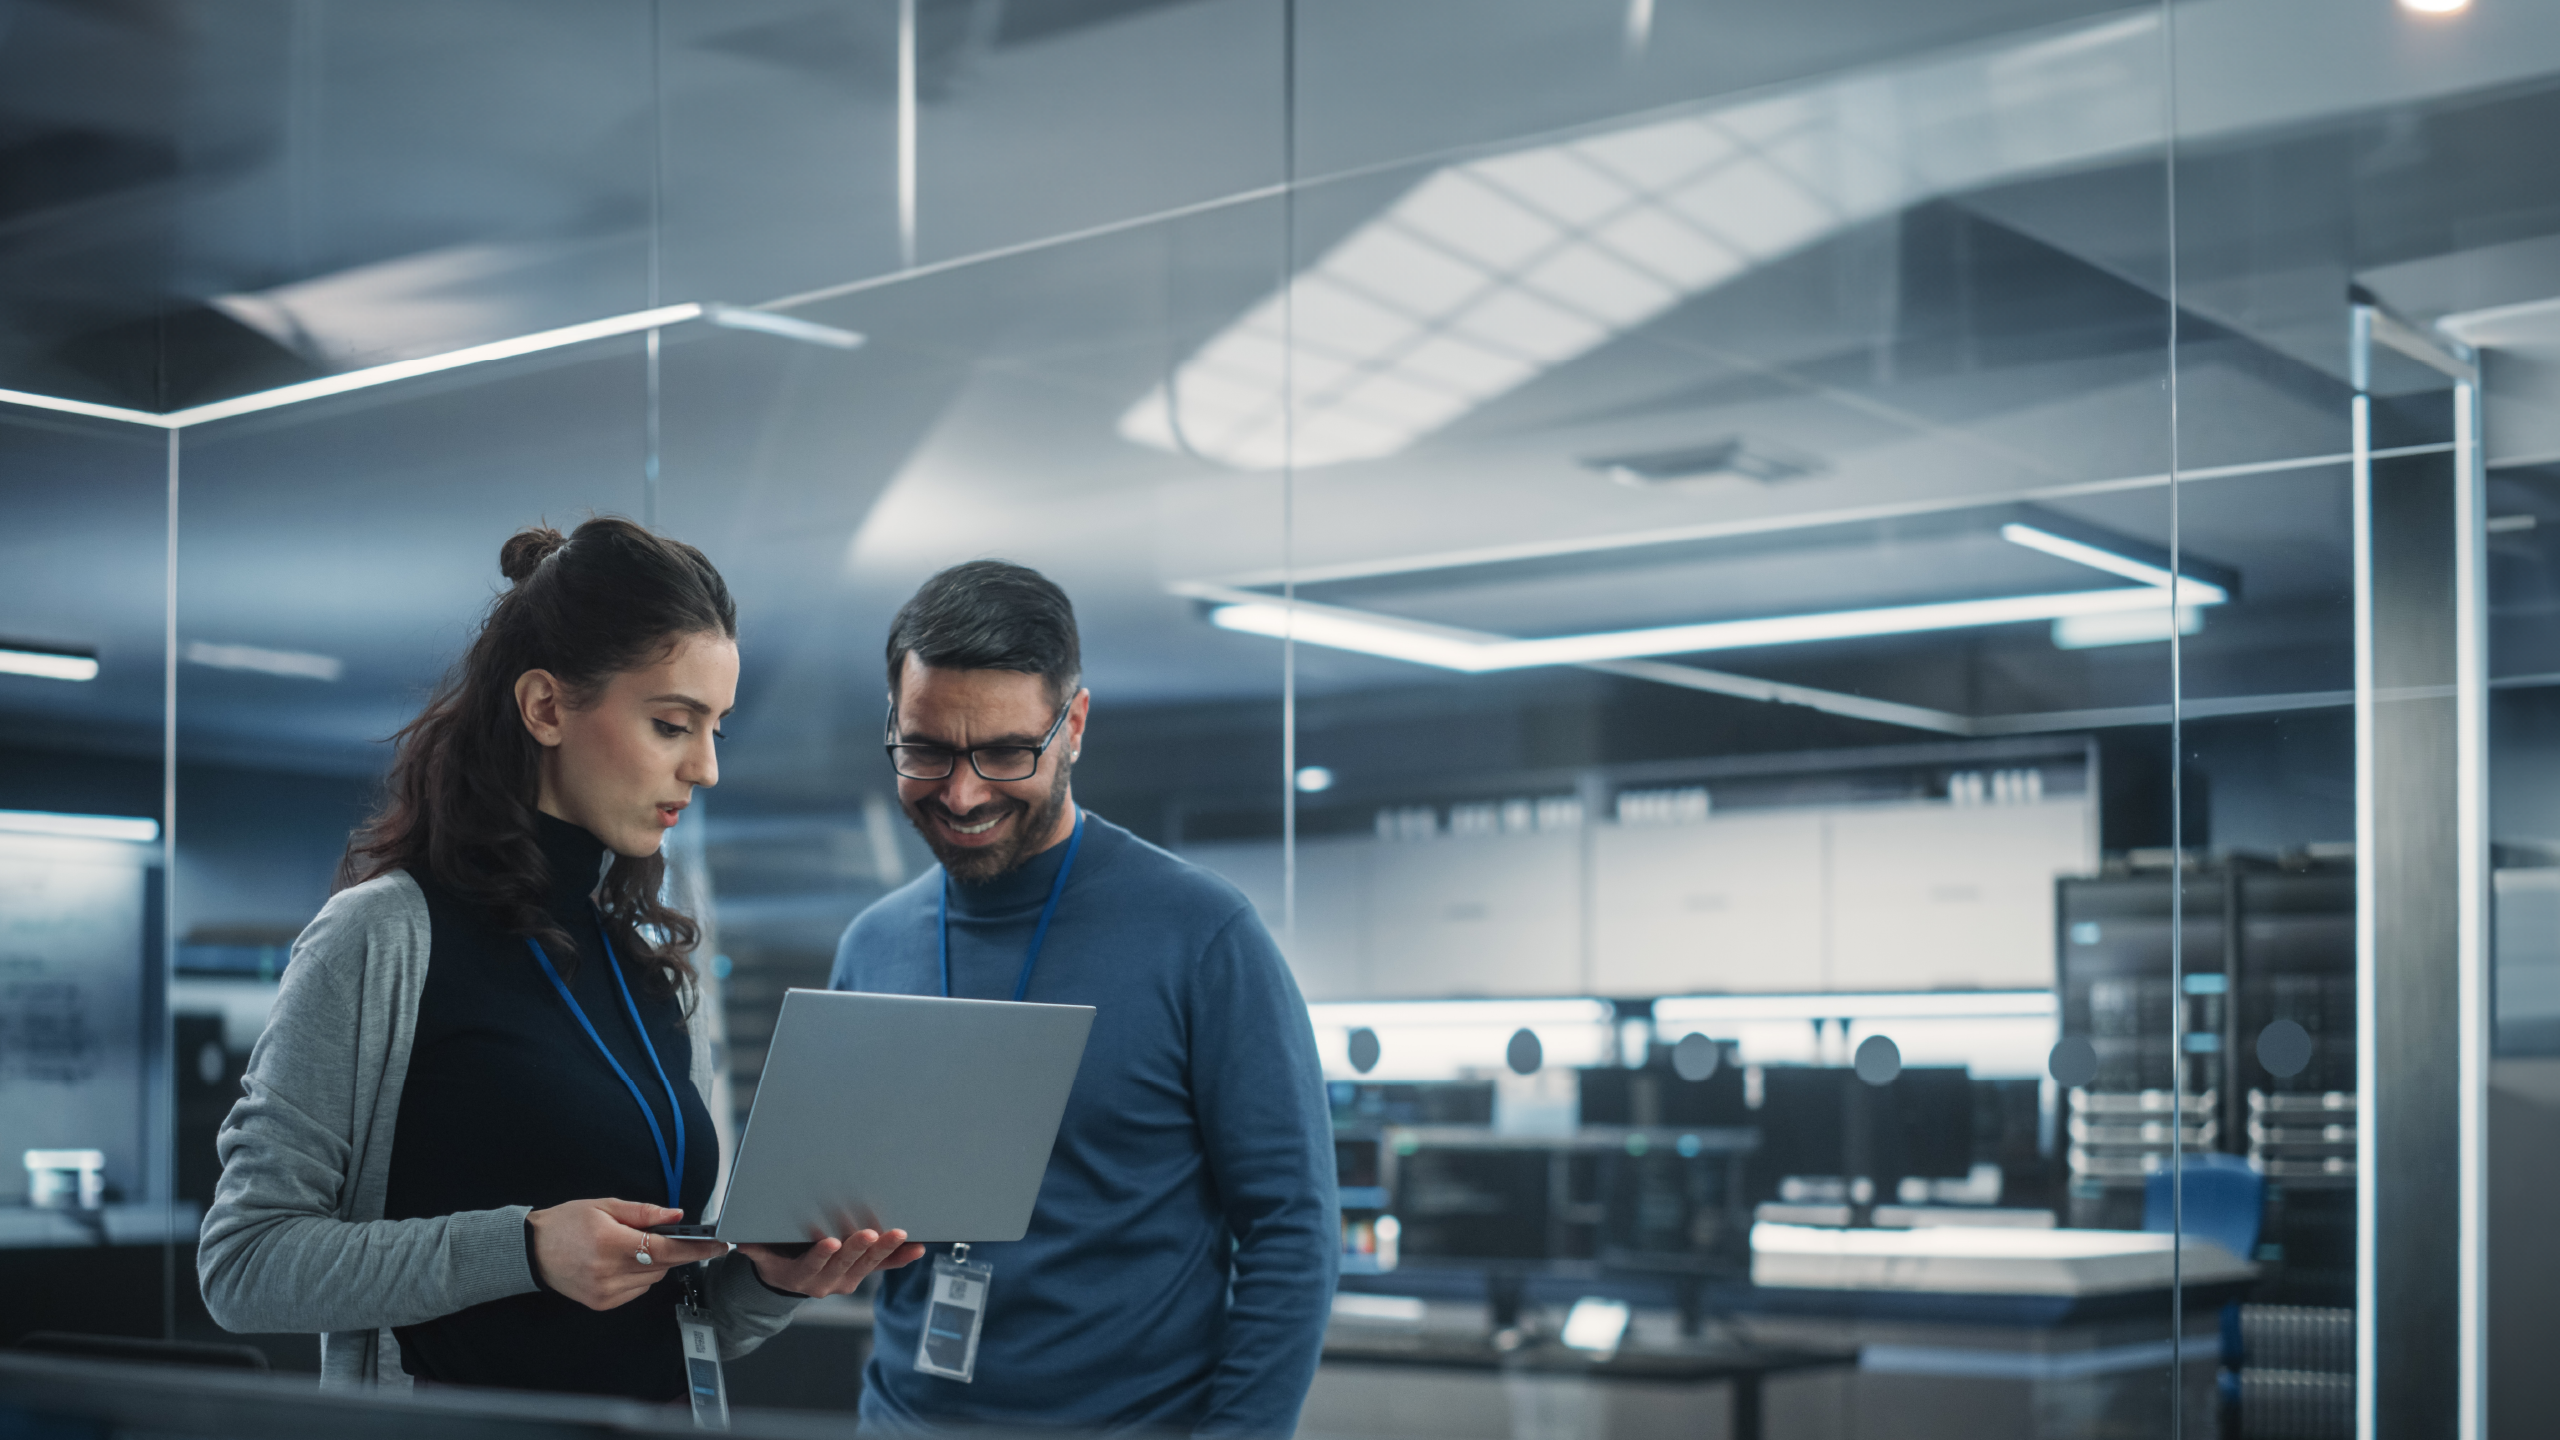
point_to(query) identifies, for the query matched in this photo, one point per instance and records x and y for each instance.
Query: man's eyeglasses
(992, 762)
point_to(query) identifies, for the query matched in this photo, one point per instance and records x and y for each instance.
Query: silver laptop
(875, 1112)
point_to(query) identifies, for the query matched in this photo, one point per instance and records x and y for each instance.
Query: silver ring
(643, 1257)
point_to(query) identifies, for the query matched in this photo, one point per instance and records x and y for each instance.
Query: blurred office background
(1794, 614)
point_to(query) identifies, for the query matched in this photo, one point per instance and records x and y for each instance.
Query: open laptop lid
(877, 1111)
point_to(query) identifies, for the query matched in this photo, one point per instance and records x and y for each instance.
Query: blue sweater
(1180, 1265)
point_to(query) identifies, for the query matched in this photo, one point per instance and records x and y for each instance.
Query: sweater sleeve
(275, 1256)
(1268, 1134)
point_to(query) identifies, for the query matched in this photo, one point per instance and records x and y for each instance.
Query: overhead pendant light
(2158, 590)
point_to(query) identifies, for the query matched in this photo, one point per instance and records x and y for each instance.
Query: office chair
(2225, 1202)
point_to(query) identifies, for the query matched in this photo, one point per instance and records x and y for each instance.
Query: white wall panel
(1924, 896)
(1488, 915)
(1729, 903)
(1328, 951)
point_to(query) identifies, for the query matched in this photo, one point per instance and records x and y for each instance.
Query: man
(1180, 1264)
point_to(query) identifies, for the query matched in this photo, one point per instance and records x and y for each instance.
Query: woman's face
(624, 766)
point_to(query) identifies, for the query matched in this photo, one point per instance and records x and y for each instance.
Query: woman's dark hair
(990, 615)
(458, 804)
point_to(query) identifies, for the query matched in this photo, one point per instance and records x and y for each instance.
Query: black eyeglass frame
(889, 731)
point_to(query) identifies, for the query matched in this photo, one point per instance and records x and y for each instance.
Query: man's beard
(975, 865)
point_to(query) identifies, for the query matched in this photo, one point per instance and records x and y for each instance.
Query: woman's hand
(589, 1250)
(832, 1266)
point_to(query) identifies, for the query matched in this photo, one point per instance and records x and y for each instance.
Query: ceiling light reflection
(1531, 259)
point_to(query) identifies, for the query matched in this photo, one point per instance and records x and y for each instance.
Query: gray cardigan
(295, 1239)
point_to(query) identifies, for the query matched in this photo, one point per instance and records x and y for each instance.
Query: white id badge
(953, 1315)
(702, 1382)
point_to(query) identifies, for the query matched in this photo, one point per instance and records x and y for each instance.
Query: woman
(478, 1089)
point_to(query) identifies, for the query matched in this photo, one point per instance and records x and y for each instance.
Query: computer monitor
(1656, 1095)
(1665, 1210)
(1473, 1203)
(1355, 1162)
(1803, 1120)
(1921, 1125)
(1824, 1120)
(1447, 1102)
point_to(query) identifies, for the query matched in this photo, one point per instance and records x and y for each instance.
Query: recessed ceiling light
(2436, 7)
(1315, 779)
(46, 662)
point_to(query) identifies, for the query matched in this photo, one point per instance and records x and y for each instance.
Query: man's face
(980, 828)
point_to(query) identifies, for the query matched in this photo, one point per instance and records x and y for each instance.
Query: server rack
(2262, 944)
(2161, 1050)
(2297, 961)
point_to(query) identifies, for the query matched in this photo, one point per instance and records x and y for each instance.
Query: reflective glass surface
(1884, 670)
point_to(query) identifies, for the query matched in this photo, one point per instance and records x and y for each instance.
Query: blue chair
(2226, 1201)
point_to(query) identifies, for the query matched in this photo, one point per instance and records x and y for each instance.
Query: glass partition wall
(1859, 657)
(1733, 572)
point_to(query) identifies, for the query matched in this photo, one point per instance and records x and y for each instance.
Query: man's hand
(589, 1250)
(832, 1266)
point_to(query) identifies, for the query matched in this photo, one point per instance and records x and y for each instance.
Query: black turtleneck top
(507, 1102)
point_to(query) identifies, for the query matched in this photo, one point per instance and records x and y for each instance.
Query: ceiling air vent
(1757, 461)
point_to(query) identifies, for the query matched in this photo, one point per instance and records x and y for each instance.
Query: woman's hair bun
(525, 551)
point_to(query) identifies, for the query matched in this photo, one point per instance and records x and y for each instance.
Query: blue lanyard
(671, 1166)
(1039, 933)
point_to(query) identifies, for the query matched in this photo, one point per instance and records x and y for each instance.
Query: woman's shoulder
(388, 911)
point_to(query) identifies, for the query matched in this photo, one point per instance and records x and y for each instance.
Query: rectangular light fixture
(58, 404)
(291, 664)
(79, 827)
(2191, 591)
(370, 376)
(1342, 629)
(47, 664)
(2137, 627)
(373, 375)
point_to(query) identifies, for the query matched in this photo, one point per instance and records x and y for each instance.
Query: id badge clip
(953, 1316)
(703, 1383)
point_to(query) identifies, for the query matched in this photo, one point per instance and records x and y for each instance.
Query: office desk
(1962, 1260)
(1425, 1384)
(2056, 1333)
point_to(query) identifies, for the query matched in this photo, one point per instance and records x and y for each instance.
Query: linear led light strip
(79, 827)
(47, 664)
(1476, 652)
(733, 317)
